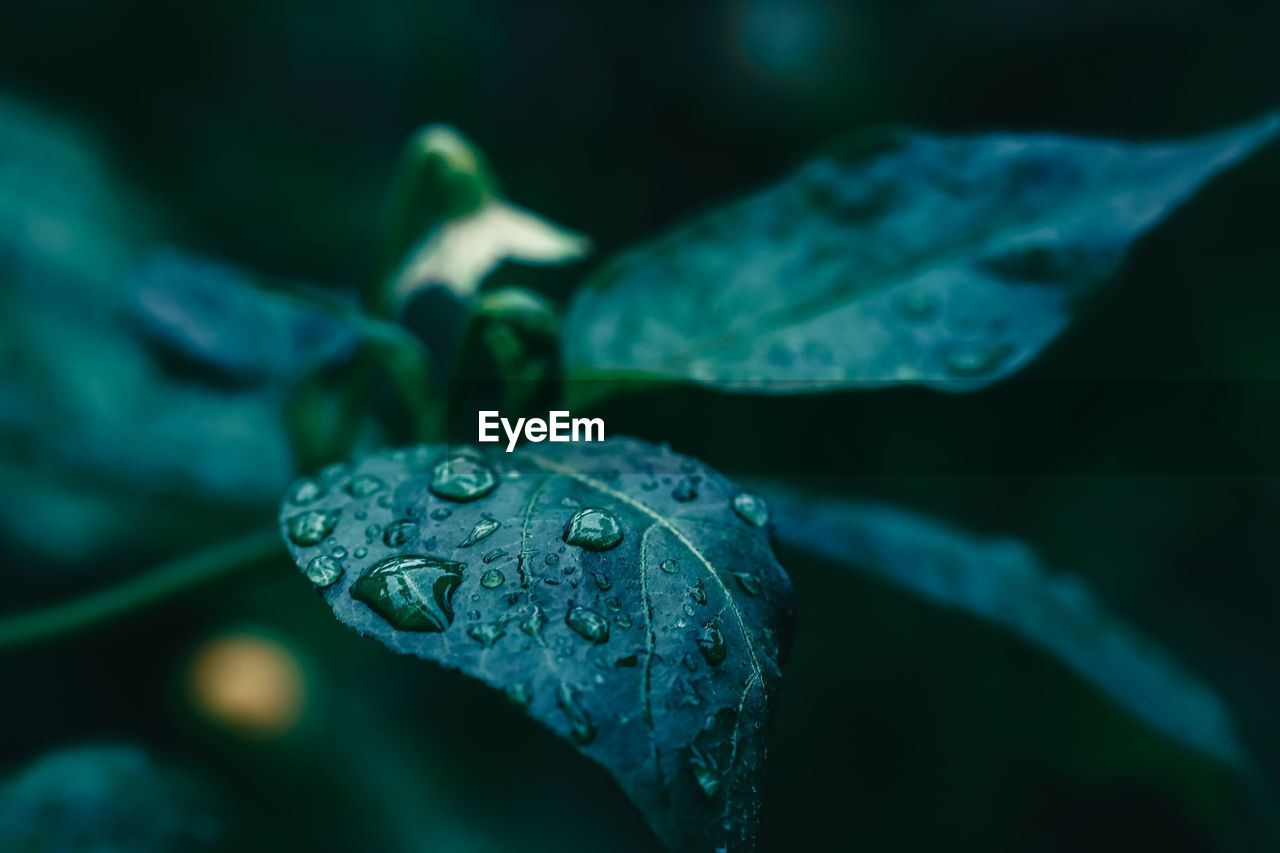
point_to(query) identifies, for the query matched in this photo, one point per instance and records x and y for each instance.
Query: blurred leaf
(452, 227)
(108, 799)
(521, 308)
(944, 261)
(1001, 581)
(656, 653)
(140, 396)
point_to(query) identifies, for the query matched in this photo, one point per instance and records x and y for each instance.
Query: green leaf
(914, 259)
(1001, 581)
(452, 227)
(111, 799)
(612, 589)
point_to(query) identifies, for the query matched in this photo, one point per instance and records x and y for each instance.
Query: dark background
(267, 133)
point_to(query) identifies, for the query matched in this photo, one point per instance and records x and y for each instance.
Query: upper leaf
(944, 261)
(1002, 582)
(626, 596)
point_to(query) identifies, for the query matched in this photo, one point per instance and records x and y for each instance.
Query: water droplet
(689, 611)
(588, 624)
(698, 593)
(324, 571)
(649, 485)
(751, 508)
(593, 528)
(918, 305)
(306, 491)
(492, 579)
(624, 621)
(685, 490)
(441, 513)
(580, 728)
(371, 532)
(360, 515)
(361, 553)
(532, 625)
(613, 604)
(520, 694)
(385, 500)
(712, 644)
(704, 771)
(311, 527)
(398, 533)
(750, 583)
(487, 633)
(363, 485)
(336, 471)
(977, 359)
(670, 566)
(552, 559)
(570, 502)
(484, 528)
(602, 581)
(495, 554)
(462, 477)
(413, 593)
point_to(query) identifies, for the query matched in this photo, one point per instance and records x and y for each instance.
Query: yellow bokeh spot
(247, 683)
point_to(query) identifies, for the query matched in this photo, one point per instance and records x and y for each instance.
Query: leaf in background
(452, 227)
(1001, 581)
(943, 261)
(140, 397)
(110, 799)
(626, 596)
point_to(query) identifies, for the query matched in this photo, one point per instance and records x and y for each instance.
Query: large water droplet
(671, 566)
(306, 491)
(751, 508)
(324, 571)
(488, 633)
(580, 728)
(413, 593)
(398, 532)
(712, 643)
(484, 528)
(492, 579)
(593, 528)
(588, 624)
(363, 485)
(311, 527)
(462, 477)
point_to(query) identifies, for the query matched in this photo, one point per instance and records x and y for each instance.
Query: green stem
(136, 593)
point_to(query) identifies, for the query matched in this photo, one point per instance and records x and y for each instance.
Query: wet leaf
(113, 799)
(943, 261)
(570, 576)
(1001, 581)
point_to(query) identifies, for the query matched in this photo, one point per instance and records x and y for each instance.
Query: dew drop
(385, 500)
(552, 559)
(484, 528)
(588, 624)
(488, 633)
(670, 566)
(685, 490)
(398, 532)
(413, 593)
(602, 581)
(704, 771)
(495, 554)
(613, 604)
(977, 360)
(520, 694)
(751, 508)
(492, 579)
(462, 477)
(698, 593)
(580, 728)
(711, 643)
(372, 531)
(338, 552)
(306, 491)
(441, 513)
(624, 621)
(750, 583)
(533, 624)
(593, 528)
(324, 571)
(311, 527)
(361, 553)
(363, 485)
(689, 611)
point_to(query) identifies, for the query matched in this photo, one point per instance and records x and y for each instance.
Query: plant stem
(136, 593)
